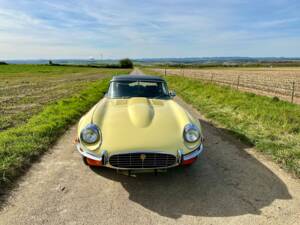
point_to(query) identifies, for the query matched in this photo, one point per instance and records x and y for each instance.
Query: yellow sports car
(137, 125)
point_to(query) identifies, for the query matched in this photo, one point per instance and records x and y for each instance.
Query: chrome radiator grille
(142, 160)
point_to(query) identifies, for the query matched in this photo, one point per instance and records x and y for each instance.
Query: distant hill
(62, 61)
(214, 60)
(188, 60)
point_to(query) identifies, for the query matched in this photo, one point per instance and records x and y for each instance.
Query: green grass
(18, 146)
(272, 126)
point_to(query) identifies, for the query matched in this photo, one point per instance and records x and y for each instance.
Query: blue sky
(31, 29)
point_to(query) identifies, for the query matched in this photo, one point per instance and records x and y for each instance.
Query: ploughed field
(25, 89)
(281, 82)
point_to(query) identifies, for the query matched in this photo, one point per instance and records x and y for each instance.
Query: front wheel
(85, 161)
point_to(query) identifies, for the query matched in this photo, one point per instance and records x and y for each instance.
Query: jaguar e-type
(138, 125)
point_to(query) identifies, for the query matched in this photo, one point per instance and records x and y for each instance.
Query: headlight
(90, 134)
(191, 133)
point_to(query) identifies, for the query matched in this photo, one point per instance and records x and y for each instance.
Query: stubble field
(281, 82)
(25, 89)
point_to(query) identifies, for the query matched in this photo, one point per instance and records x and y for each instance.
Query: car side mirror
(172, 94)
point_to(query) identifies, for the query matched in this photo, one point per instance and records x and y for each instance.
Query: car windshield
(147, 89)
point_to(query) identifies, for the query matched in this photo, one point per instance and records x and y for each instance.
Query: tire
(84, 161)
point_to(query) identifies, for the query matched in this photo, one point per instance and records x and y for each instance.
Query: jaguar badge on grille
(142, 157)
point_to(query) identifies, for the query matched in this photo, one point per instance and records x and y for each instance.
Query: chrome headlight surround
(90, 134)
(191, 133)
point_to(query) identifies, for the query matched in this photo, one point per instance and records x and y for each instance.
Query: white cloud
(277, 23)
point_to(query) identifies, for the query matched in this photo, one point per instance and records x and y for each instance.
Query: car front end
(138, 132)
(135, 160)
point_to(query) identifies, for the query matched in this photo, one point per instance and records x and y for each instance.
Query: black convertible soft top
(137, 78)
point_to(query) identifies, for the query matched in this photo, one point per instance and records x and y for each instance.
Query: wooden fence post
(293, 92)
(165, 71)
(212, 77)
(238, 82)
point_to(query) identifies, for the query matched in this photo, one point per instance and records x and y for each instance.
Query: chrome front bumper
(84, 152)
(104, 157)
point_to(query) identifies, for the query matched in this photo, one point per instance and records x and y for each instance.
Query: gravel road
(230, 184)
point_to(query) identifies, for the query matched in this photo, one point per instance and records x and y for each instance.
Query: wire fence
(270, 83)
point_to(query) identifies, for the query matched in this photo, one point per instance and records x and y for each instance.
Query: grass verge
(20, 145)
(271, 125)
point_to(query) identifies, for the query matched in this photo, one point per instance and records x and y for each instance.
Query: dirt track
(230, 184)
